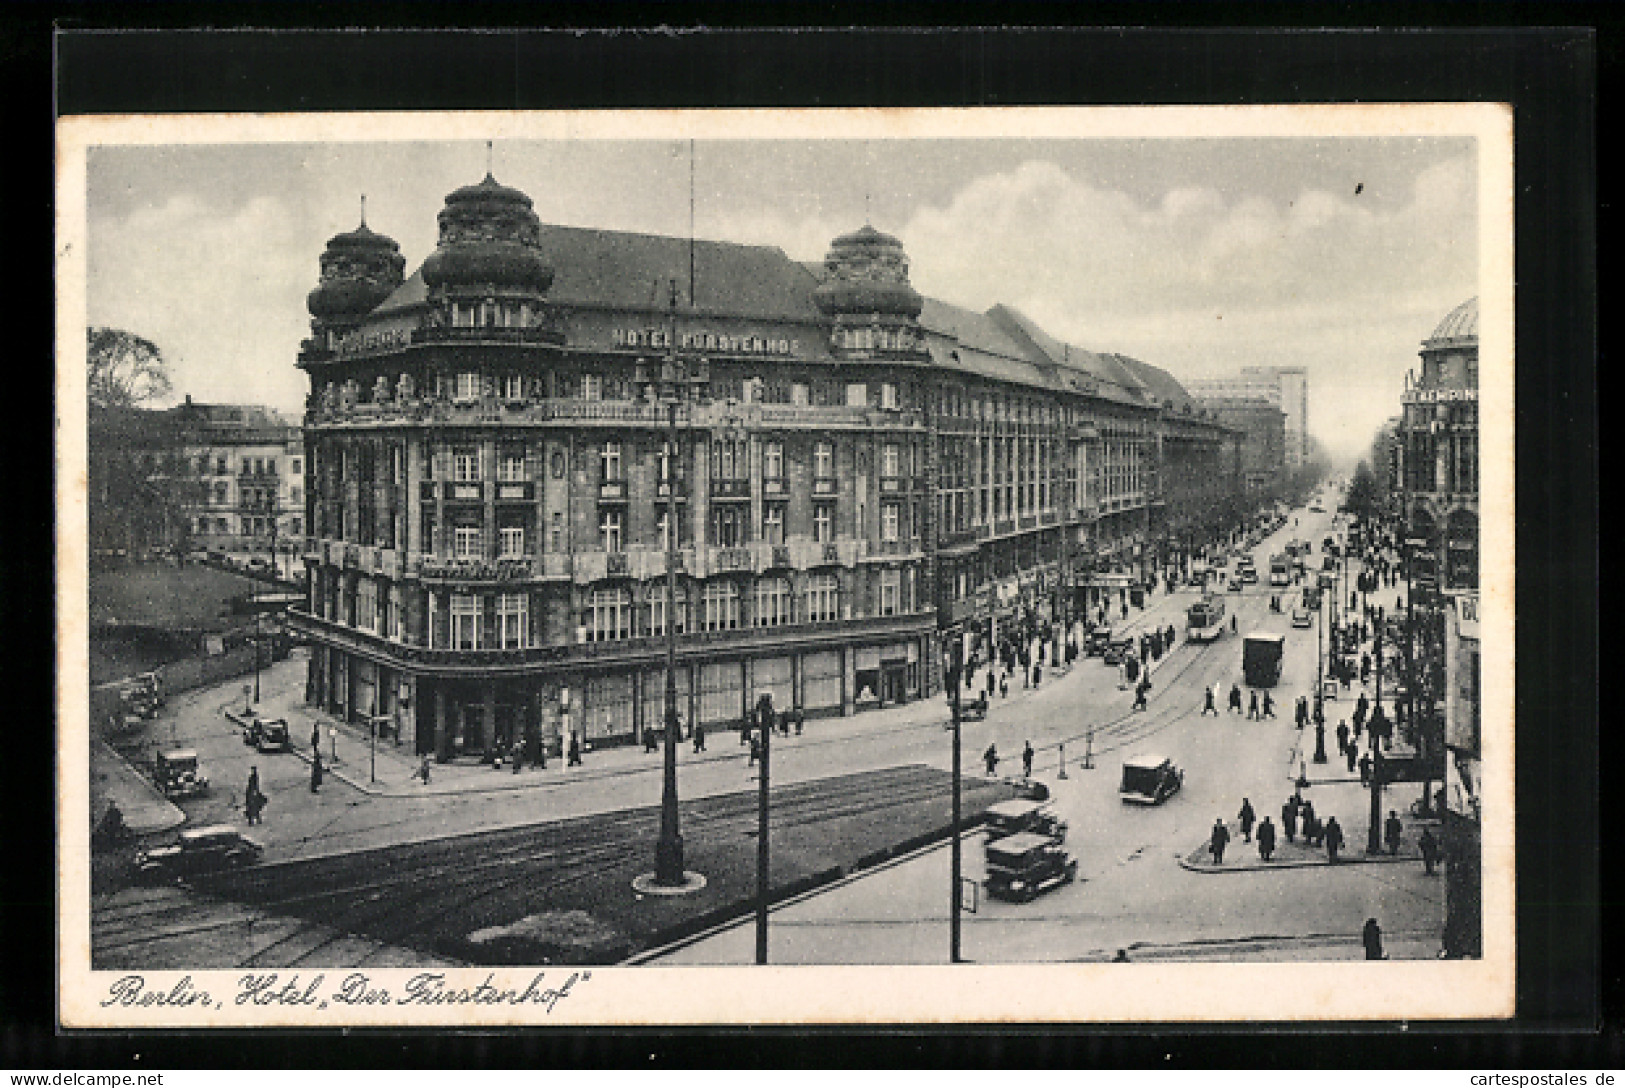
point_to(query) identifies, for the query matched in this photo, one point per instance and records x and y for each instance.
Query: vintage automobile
(198, 851)
(176, 772)
(1024, 817)
(1302, 618)
(268, 735)
(1150, 779)
(973, 710)
(1019, 867)
(1236, 585)
(1118, 650)
(1099, 638)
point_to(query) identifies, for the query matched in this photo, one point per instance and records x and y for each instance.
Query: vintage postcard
(786, 567)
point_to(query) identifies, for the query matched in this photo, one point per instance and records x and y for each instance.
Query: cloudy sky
(1197, 255)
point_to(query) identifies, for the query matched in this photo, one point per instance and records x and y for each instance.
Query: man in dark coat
(316, 772)
(1353, 750)
(1269, 706)
(1371, 937)
(755, 749)
(1392, 832)
(699, 737)
(1266, 839)
(1252, 707)
(1430, 849)
(253, 799)
(991, 758)
(649, 742)
(1027, 759)
(1245, 818)
(316, 739)
(573, 759)
(1141, 690)
(1289, 818)
(1207, 703)
(1235, 698)
(1334, 839)
(1342, 737)
(1217, 840)
(1300, 712)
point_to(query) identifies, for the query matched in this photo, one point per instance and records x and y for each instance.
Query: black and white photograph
(648, 567)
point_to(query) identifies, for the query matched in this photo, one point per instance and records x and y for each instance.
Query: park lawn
(192, 597)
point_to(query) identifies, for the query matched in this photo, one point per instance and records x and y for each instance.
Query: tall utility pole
(762, 882)
(956, 669)
(669, 848)
(1373, 836)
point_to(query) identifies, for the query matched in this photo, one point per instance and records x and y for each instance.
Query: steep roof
(1100, 374)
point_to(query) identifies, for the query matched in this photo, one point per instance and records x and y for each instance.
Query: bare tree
(123, 370)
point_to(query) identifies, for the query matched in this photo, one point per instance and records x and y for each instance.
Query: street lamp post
(1373, 837)
(955, 671)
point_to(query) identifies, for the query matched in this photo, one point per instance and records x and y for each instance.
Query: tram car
(1204, 620)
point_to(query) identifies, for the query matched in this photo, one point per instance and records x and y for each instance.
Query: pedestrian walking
(1352, 751)
(573, 758)
(518, 754)
(1342, 737)
(991, 758)
(1309, 822)
(1392, 832)
(1232, 623)
(423, 771)
(1266, 839)
(649, 742)
(1269, 706)
(253, 799)
(1246, 817)
(1004, 685)
(1217, 840)
(316, 739)
(1300, 712)
(1235, 699)
(801, 718)
(1207, 703)
(1289, 818)
(316, 772)
(1371, 937)
(1365, 769)
(1038, 673)
(1252, 707)
(755, 749)
(1334, 839)
(1430, 849)
(991, 682)
(1027, 759)
(1141, 689)
(1170, 639)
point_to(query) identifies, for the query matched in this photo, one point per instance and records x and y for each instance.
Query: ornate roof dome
(1458, 329)
(488, 236)
(866, 272)
(360, 268)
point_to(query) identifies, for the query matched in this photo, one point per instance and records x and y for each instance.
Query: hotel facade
(503, 449)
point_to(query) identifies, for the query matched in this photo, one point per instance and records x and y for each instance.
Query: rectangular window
(558, 531)
(466, 542)
(823, 598)
(888, 395)
(730, 460)
(823, 523)
(468, 386)
(889, 521)
(513, 620)
(610, 530)
(513, 542)
(721, 603)
(824, 460)
(511, 469)
(798, 394)
(889, 460)
(513, 387)
(609, 615)
(465, 465)
(857, 395)
(772, 602)
(657, 611)
(773, 460)
(592, 387)
(465, 622)
(609, 462)
(889, 592)
(728, 525)
(366, 605)
(773, 523)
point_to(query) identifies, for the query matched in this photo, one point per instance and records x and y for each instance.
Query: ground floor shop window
(823, 598)
(772, 602)
(721, 603)
(609, 615)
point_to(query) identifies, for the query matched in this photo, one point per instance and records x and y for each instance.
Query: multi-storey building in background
(857, 473)
(1262, 427)
(1285, 387)
(1440, 447)
(243, 471)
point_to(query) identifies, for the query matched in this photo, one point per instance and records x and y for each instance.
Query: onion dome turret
(360, 269)
(866, 272)
(489, 238)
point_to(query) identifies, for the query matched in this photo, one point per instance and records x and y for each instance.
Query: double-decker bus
(1204, 620)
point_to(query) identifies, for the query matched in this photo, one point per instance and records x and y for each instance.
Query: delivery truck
(1261, 659)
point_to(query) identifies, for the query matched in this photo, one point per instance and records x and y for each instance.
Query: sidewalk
(112, 779)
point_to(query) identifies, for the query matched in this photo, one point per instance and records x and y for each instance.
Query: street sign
(969, 890)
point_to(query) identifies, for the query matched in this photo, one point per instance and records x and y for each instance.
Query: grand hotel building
(858, 474)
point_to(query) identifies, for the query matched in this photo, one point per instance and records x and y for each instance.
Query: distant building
(1286, 387)
(241, 477)
(1440, 450)
(1262, 427)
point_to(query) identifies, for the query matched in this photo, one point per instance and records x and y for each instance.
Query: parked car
(1097, 642)
(268, 735)
(1020, 867)
(1150, 779)
(199, 851)
(176, 772)
(1030, 817)
(1117, 651)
